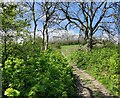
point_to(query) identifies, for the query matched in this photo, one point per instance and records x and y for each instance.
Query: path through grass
(86, 85)
(68, 49)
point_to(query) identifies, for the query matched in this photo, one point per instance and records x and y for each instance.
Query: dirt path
(87, 86)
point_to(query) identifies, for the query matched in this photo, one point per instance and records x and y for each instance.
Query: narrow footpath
(87, 86)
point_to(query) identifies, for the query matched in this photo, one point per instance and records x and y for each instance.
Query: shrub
(46, 75)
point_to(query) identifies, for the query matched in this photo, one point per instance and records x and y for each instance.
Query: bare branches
(87, 16)
(101, 17)
(93, 15)
(72, 19)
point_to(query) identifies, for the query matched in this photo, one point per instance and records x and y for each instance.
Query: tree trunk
(90, 42)
(5, 49)
(86, 35)
(35, 32)
(43, 40)
(46, 26)
(47, 38)
(34, 20)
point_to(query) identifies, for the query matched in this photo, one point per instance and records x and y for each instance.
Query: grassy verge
(102, 64)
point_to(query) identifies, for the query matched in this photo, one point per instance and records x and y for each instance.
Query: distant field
(68, 49)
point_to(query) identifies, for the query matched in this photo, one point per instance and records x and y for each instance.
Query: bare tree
(49, 13)
(36, 14)
(87, 17)
(34, 19)
(31, 7)
(112, 27)
(116, 7)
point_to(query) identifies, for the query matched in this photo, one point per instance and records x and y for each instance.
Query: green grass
(102, 64)
(68, 49)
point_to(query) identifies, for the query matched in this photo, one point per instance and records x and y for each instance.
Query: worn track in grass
(87, 86)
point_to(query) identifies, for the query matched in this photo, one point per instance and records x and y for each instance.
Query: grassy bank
(102, 64)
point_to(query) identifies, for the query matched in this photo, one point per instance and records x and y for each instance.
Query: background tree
(10, 26)
(111, 28)
(116, 7)
(32, 11)
(87, 17)
(43, 18)
(48, 20)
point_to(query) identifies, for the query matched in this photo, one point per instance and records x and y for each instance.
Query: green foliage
(56, 45)
(22, 50)
(12, 92)
(47, 74)
(11, 26)
(102, 64)
(9, 18)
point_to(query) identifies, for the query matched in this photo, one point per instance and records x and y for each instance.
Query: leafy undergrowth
(102, 64)
(46, 74)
